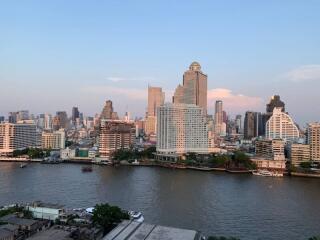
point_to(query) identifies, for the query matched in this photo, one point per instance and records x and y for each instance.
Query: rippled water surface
(245, 206)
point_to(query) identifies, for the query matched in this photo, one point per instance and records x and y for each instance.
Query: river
(244, 206)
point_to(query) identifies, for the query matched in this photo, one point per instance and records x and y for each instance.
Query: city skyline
(58, 55)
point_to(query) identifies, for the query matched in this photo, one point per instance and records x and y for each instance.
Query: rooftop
(130, 230)
(51, 234)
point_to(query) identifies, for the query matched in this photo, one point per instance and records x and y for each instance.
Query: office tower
(270, 149)
(219, 124)
(62, 119)
(53, 140)
(75, 115)
(155, 99)
(249, 125)
(2, 119)
(40, 121)
(259, 125)
(181, 128)
(47, 122)
(313, 139)
(194, 88)
(275, 102)
(115, 135)
(281, 126)
(14, 136)
(299, 153)
(238, 123)
(107, 111)
(12, 117)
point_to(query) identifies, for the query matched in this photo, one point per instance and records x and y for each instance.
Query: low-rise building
(46, 210)
(67, 153)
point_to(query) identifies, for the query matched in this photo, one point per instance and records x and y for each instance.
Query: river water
(244, 206)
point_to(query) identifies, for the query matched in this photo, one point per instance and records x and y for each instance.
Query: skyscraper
(313, 139)
(155, 99)
(194, 88)
(249, 125)
(75, 114)
(219, 124)
(62, 119)
(275, 102)
(281, 126)
(107, 111)
(238, 123)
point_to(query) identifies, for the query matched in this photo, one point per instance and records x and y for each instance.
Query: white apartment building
(181, 128)
(313, 139)
(15, 136)
(281, 126)
(53, 140)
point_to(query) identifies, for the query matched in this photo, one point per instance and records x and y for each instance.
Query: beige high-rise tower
(194, 88)
(155, 99)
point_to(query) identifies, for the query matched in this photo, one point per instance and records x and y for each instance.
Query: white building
(281, 126)
(15, 136)
(181, 128)
(67, 153)
(46, 211)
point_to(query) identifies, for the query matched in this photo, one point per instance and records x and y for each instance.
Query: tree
(305, 164)
(107, 216)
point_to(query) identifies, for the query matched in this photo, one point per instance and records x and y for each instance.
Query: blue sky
(57, 54)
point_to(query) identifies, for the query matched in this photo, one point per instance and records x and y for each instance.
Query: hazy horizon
(56, 55)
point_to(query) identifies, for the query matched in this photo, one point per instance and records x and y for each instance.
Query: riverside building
(181, 128)
(16, 136)
(115, 135)
(281, 126)
(53, 140)
(313, 139)
(299, 153)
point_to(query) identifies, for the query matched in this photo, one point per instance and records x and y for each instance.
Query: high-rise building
(107, 111)
(53, 140)
(219, 123)
(249, 125)
(181, 128)
(238, 123)
(299, 153)
(281, 126)
(62, 119)
(115, 135)
(155, 99)
(2, 119)
(313, 139)
(47, 122)
(14, 136)
(75, 115)
(194, 88)
(275, 102)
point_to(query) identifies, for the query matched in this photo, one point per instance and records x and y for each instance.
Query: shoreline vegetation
(235, 163)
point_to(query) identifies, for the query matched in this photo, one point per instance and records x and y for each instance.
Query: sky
(58, 54)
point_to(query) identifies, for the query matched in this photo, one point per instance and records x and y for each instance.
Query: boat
(136, 216)
(23, 165)
(266, 173)
(86, 169)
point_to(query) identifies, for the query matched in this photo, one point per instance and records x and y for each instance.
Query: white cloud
(304, 73)
(115, 79)
(233, 103)
(109, 91)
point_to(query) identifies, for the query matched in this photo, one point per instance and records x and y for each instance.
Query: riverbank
(150, 163)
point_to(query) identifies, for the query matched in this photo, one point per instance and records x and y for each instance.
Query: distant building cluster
(176, 128)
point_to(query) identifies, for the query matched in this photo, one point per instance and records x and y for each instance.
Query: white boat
(267, 173)
(136, 216)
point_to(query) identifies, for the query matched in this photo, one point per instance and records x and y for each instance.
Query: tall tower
(194, 88)
(155, 99)
(218, 118)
